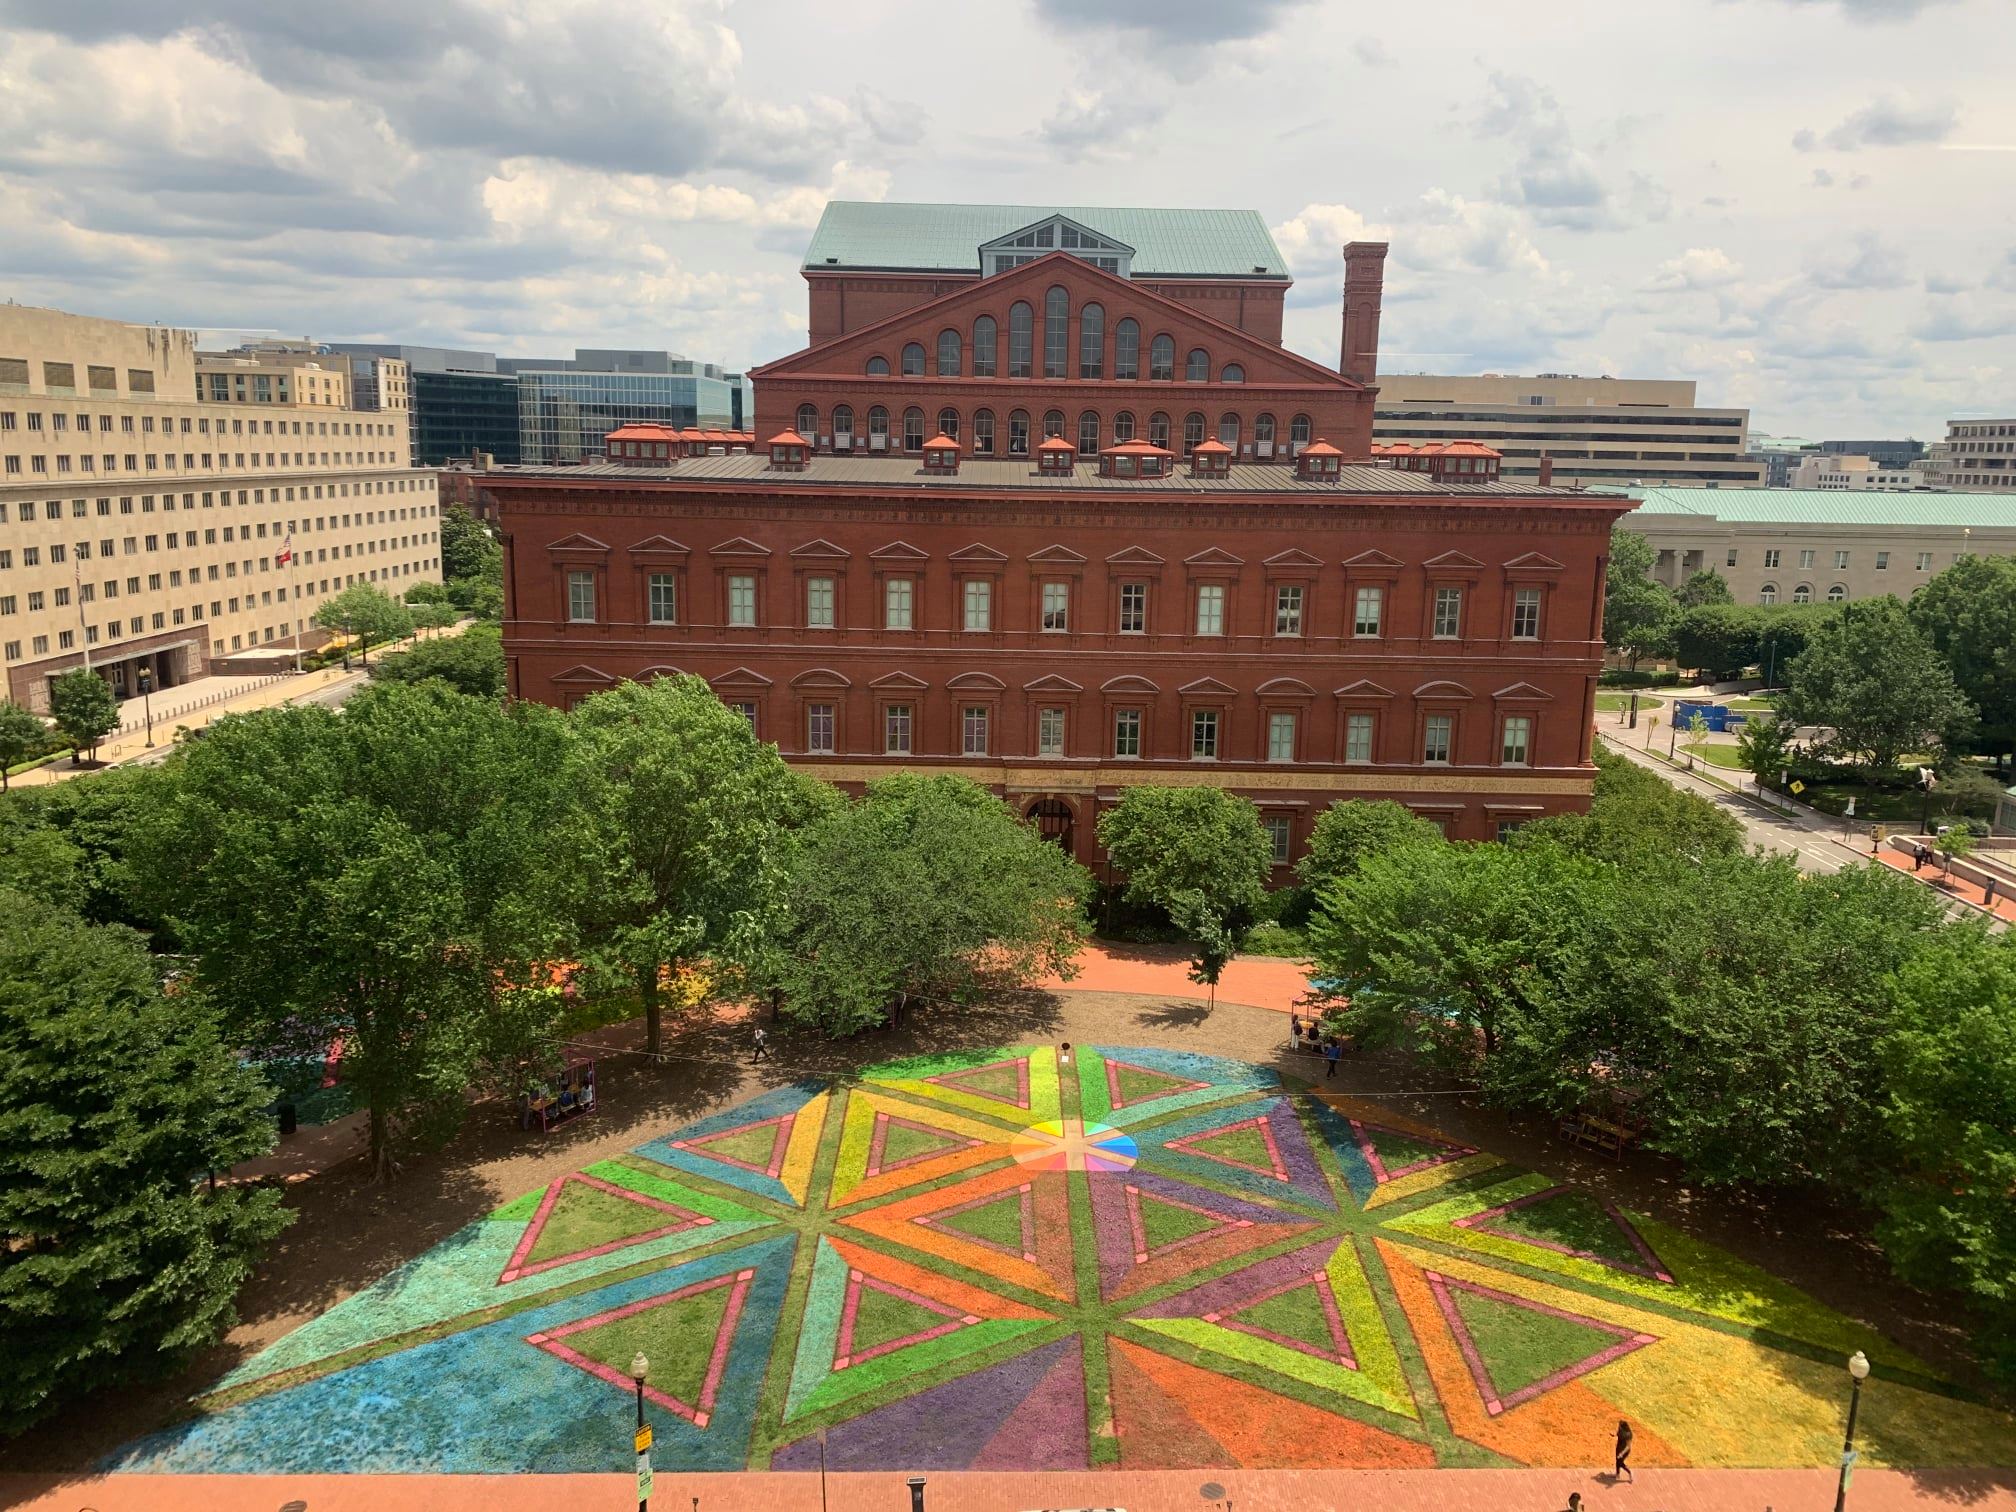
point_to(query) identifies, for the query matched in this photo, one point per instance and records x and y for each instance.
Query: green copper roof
(947, 238)
(1817, 506)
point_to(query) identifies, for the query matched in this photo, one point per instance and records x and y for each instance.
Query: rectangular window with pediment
(1211, 609)
(1281, 736)
(1050, 732)
(1280, 837)
(581, 597)
(979, 604)
(1448, 613)
(1358, 737)
(898, 598)
(973, 730)
(741, 600)
(896, 729)
(1056, 606)
(1204, 735)
(819, 729)
(1517, 747)
(1526, 614)
(1370, 609)
(1133, 608)
(1437, 737)
(1288, 609)
(1127, 732)
(664, 606)
(819, 602)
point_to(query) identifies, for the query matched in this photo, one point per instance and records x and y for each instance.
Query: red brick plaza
(1046, 503)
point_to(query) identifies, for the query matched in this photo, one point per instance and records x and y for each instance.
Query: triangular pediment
(977, 552)
(1057, 555)
(1128, 682)
(1292, 557)
(658, 545)
(1213, 556)
(739, 677)
(578, 542)
(821, 677)
(820, 548)
(1363, 688)
(899, 551)
(1453, 559)
(1533, 561)
(1524, 692)
(1285, 687)
(1206, 685)
(1047, 235)
(847, 356)
(1050, 682)
(899, 680)
(1134, 556)
(980, 681)
(1373, 558)
(1443, 689)
(652, 674)
(578, 676)
(740, 546)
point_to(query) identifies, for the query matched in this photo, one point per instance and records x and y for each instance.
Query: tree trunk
(647, 993)
(381, 1145)
(776, 1004)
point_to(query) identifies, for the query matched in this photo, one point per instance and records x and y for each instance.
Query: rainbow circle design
(1069, 1144)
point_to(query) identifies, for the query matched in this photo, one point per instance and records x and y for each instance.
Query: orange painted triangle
(941, 1289)
(1155, 1431)
(1256, 1428)
(1047, 1270)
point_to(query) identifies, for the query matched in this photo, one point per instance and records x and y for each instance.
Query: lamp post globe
(639, 1367)
(1858, 1372)
(1858, 1366)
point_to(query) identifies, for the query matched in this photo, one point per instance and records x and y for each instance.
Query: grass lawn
(1753, 705)
(1619, 703)
(1723, 756)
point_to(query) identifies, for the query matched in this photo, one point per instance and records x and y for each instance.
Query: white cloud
(1697, 268)
(1887, 121)
(1865, 262)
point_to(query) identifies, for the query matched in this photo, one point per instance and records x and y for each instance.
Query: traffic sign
(644, 1476)
(643, 1437)
(1798, 786)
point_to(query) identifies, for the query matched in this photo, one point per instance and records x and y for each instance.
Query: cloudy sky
(1807, 205)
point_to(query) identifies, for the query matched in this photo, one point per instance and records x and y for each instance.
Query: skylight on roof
(1058, 233)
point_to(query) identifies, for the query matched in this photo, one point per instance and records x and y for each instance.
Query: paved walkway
(1256, 981)
(1003, 1491)
(1973, 893)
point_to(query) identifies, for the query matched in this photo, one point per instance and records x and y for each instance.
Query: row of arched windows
(1803, 594)
(984, 440)
(977, 353)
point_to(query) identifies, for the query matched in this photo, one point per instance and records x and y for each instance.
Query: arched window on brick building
(878, 367)
(1232, 373)
(983, 347)
(948, 354)
(878, 428)
(808, 423)
(913, 429)
(1021, 338)
(843, 425)
(983, 433)
(1056, 331)
(913, 360)
(1158, 430)
(1162, 359)
(1228, 431)
(1127, 350)
(1018, 434)
(1197, 366)
(1088, 434)
(1193, 432)
(948, 422)
(1053, 424)
(1123, 426)
(1263, 435)
(1092, 341)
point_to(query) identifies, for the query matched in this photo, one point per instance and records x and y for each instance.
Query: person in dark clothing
(1623, 1471)
(762, 1046)
(1331, 1054)
(1295, 1031)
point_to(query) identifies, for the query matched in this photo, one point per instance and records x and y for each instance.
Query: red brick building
(1297, 631)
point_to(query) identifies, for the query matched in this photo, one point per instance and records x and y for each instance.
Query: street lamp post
(916, 1493)
(639, 1368)
(147, 700)
(1858, 1372)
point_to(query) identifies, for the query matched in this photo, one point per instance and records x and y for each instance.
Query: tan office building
(143, 525)
(1808, 546)
(1624, 431)
(1978, 454)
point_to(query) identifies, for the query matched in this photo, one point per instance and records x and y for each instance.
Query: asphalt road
(333, 696)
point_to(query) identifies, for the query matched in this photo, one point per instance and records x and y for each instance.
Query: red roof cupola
(787, 451)
(1056, 455)
(1319, 460)
(1210, 459)
(643, 445)
(941, 454)
(1135, 459)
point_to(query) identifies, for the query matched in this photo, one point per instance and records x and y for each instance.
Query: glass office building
(457, 414)
(563, 415)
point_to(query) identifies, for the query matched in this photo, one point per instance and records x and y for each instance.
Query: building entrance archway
(1053, 820)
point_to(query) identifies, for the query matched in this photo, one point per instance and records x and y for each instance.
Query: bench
(1599, 1134)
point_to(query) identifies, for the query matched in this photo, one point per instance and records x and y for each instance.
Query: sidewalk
(261, 693)
(1255, 981)
(2004, 907)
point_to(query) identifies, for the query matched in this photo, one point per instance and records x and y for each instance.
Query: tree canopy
(1347, 833)
(367, 612)
(1869, 675)
(1968, 613)
(1199, 854)
(672, 837)
(83, 706)
(1638, 614)
(380, 877)
(472, 662)
(21, 736)
(1705, 587)
(924, 887)
(116, 1263)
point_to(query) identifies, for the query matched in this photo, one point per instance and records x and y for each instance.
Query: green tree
(1764, 745)
(116, 1261)
(1635, 815)
(468, 549)
(21, 736)
(36, 858)
(1705, 587)
(367, 612)
(433, 616)
(1638, 614)
(1719, 640)
(94, 816)
(924, 888)
(472, 662)
(1873, 678)
(1956, 844)
(1194, 849)
(427, 593)
(1346, 833)
(83, 707)
(1968, 613)
(382, 875)
(674, 835)
(1948, 1118)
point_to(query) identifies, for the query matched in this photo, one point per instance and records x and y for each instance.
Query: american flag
(286, 551)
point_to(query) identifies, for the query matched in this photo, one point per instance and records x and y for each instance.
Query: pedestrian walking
(1918, 858)
(762, 1046)
(1295, 1031)
(1988, 894)
(1574, 1501)
(1623, 1471)
(1332, 1053)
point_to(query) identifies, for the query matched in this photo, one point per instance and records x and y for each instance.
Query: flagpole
(83, 625)
(294, 587)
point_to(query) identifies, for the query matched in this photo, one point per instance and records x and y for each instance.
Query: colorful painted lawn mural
(1142, 1259)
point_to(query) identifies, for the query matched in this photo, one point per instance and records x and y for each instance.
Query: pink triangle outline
(1264, 1123)
(1340, 1336)
(783, 1123)
(1143, 1254)
(1495, 1402)
(699, 1413)
(516, 1266)
(844, 1354)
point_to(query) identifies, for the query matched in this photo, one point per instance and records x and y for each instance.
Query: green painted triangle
(1164, 1223)
(880, 1318)
(1136, 1084)
(753, 1146)
(1247, 1146)
(1397, 1149)
(1519, 1345)
(998, 1222)
(677, 1337)
(1003, 1081)
(1294, 1314)
(584, 1217)
(1576, 1220)
(901, 1142)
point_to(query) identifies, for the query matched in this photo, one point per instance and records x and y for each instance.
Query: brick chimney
(1546, 470)
(1364, 279)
